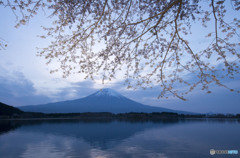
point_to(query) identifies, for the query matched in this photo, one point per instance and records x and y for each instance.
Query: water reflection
(107, 138)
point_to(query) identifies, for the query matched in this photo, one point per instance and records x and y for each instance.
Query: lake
(111, 138)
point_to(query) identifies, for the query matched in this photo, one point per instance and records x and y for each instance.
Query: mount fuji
(104, 100)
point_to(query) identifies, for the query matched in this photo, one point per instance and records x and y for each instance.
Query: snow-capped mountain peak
(104, 100)
(107, 92)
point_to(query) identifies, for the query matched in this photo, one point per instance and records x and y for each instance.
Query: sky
(25, 78)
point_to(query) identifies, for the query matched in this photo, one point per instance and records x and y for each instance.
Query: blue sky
(25, 78)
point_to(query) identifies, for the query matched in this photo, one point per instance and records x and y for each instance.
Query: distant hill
(8, 110)
(105, 100)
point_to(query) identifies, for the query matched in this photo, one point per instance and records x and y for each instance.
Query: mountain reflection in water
(108, 138)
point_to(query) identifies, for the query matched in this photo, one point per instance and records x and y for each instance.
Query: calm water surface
(110, 139)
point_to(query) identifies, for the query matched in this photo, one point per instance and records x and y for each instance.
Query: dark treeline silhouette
(110, 116)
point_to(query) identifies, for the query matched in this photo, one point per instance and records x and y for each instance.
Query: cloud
(76, 90)
(221, 100)
(16, 90)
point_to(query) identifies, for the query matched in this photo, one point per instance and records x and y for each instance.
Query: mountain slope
(8, 110)
(105, 100)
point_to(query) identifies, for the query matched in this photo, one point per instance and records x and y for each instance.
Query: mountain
(105, 100)
(8, 110)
